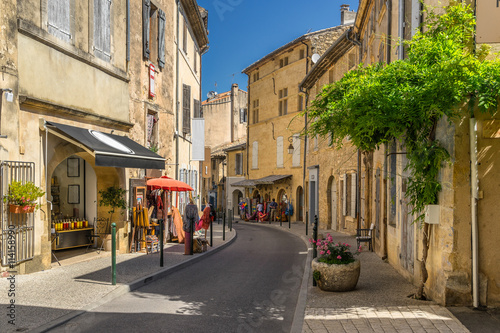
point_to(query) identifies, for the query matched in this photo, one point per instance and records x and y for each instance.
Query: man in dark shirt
(273, 205)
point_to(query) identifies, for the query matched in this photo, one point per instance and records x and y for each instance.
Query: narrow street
(251, 286)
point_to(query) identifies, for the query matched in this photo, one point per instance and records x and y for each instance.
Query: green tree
(113, 197)
(403, 100)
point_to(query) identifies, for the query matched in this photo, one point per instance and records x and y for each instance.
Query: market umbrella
(167, 183)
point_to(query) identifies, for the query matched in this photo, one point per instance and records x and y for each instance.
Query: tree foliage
(403, 100)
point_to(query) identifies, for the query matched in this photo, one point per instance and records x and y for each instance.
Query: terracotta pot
(336, 277)
(16, 209)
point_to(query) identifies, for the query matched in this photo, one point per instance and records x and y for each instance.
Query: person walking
(206, 218)
(191, 217)
(273, 205)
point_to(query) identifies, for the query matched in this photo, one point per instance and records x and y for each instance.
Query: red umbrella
(167, 183)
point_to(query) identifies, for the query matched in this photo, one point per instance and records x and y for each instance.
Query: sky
(243, 31)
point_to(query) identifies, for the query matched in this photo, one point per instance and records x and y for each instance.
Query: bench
(365, 236)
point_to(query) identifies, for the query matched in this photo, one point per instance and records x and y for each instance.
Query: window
(279, 152)
(255, 76)
(315, 143)
(392, 182)
(152, 130)
(243, 115)
(184, 37)
(296, 150)
(255, 155)
(300, 103)
(349, 192)
(352, 60)
(255, 114)
(197, 109)
(283, 62)
(59, 19)
(330, 76)
(186, 109)
(195, 56)
(238, 164)
(283, 102)
(302, 54)
(153, 33)
(102, 29)
(213, 165)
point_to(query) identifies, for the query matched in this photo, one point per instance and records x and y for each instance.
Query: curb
(125, 288)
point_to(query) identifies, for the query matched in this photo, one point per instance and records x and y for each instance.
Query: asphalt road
(250, 286)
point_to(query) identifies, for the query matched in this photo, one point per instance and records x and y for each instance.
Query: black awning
(109, 149)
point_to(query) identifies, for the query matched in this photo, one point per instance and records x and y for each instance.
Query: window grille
(18, 230)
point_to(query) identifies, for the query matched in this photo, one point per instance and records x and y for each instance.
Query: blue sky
(243, 31)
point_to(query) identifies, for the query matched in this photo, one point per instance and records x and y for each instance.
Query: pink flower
(339, 257)
(360, 248)
(321, 252)
(328, 252)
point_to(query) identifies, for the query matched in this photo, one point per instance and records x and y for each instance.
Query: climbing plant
(443, 76)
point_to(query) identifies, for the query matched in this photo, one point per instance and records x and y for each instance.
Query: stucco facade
(64, 68)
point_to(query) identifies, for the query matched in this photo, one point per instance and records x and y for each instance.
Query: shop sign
(151, 80)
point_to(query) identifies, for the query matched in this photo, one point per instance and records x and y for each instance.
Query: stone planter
(336, 277)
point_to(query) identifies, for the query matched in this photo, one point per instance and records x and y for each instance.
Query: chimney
(346, 16)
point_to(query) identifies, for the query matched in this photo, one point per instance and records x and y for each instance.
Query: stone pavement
(47, 298)
(380, 302)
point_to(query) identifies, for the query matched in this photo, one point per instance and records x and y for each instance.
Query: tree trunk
(423, 266)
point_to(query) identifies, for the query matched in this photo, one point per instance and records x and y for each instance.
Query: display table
(66, 239)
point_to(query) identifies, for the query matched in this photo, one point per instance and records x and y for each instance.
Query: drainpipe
(358, 192)
(473, 204)
(128, 31)
(389, 30)
(177, 97)
(306, 92)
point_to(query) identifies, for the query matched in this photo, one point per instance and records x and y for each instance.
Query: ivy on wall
(442, 74)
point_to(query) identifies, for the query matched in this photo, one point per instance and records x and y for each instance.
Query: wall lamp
(290, 147)
(9, 96)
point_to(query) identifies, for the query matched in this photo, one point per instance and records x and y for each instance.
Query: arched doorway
(332, 203)
(299, 197)
(237, 197)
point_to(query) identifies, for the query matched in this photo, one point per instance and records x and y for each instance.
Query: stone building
(77, 105)
(334, 177)
(225, 118)
(461, 235)
(275, 149)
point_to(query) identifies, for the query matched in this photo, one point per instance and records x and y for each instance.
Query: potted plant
(22, 197)
(336, 269)
(113, 197)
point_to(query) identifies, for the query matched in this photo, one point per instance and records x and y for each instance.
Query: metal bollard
(223, 226)
(315, 238)
(289, 222)
(211, 233)
(113, 253)
(307, 223)
(161, 243)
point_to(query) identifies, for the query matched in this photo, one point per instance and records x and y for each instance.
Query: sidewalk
(380, 302)
(46, 298)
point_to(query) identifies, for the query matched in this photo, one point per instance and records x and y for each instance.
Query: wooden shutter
(161, 39)
(102, 29)
(344, 194)
(146, 8)
(279, 152)
(186, 109)
(296, 150)
(354, 187)
(255, 155)
(197, 109)
(59, 19)
(239, 164)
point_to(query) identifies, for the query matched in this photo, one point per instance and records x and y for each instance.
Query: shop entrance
(73, 193)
